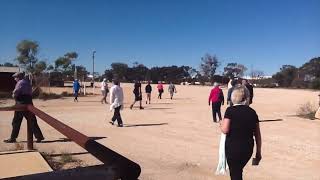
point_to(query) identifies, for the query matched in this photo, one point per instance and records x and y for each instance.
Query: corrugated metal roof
(9, 69)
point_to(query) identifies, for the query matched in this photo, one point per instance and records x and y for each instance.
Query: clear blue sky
(259, 34)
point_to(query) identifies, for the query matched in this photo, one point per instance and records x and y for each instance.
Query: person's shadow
(270, 120)
(136, 125)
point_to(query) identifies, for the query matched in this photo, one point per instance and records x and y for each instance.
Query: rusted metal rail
(121, 166)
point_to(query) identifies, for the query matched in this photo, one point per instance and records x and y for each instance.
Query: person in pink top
(216, 98)
(160, 89)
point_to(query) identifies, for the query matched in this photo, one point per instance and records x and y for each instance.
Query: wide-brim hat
(18, 74)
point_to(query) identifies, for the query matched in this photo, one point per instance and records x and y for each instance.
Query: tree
(286, 75)
(39, 67)
(64, 64)
(7, 64)
(312, 67)
(234, 70)
(208, 65)
(27, 56)
(119, 70)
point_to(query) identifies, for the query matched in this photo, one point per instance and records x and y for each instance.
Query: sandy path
(176, 139)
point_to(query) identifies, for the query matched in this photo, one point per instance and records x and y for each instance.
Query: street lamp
(93, 71)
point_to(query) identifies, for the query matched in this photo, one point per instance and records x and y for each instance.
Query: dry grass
(307, 111)
(62, 161)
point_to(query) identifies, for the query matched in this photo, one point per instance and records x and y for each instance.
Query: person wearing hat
(22, 94)
(216, 98)
(104, 90)
(240, 124)
(76, 88)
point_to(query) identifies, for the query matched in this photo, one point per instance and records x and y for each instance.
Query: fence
(122, 167)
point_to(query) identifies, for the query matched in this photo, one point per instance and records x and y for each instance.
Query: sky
(262, 35)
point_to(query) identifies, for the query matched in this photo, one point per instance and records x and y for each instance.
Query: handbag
(222, 163)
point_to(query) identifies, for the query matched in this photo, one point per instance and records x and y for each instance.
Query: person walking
(116, 102)
(216, 98)
(240, 124)
(317, 115)
(172, 89)
(76, 88)
(233, 84)
(104, 91)
(160, 89)
(22, 94)
(137, 94)
(148, 89)
(250, 90)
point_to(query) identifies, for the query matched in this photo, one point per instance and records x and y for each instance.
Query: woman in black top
(137, 94)
(148, 91)
(240, 124)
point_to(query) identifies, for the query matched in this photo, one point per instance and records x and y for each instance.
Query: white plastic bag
(222, 164)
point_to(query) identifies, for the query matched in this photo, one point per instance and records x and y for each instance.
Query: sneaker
(131, 106)
(120, 125)
(10, 140)
(141, 107)
(111, 122)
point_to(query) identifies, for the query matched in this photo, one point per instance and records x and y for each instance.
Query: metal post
(93, 71)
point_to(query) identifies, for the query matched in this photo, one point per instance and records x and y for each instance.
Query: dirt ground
(176, 139)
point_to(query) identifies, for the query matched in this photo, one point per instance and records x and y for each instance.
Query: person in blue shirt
(76, 88)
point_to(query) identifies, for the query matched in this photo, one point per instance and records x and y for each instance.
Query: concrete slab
(20, 163)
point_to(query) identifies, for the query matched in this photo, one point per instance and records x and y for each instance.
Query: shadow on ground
(66, 140)
(136, 125)
(270, 120)
(100, 172)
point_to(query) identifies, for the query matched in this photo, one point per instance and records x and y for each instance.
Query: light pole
(93, 71)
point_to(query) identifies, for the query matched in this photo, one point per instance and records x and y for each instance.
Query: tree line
(64, 68)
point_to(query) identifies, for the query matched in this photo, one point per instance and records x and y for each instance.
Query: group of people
(216, 97)
(116, 97)
(240, 124)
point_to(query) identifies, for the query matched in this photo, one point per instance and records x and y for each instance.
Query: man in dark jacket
(250, 88)
(23, 95)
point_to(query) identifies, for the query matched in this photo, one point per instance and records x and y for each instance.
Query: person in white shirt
(104, 91)
(116, 102)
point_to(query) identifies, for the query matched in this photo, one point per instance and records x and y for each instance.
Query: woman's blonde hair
(238, 95)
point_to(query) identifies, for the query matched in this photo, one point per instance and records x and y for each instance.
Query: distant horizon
(260, 35)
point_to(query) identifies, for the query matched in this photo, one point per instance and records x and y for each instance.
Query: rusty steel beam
(17, 107)
(122, 167)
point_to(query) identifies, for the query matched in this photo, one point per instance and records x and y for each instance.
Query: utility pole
(93, 71)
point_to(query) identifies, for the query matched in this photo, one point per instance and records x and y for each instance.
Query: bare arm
(225, 125)
(257, 135)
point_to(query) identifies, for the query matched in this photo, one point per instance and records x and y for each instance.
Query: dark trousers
(216, 109)
(117, 116)
(160, 94)
(237, 161)
(16, 123)
(76, 94)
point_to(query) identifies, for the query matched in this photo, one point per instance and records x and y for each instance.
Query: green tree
(208, 66)
(27, 56)
(286, 75)
(234, 70)
(120, 70)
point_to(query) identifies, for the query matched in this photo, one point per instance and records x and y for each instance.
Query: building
(7, 83)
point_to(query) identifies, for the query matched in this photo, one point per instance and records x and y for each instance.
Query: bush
(307, 111)
(315, 83)
(47, 96)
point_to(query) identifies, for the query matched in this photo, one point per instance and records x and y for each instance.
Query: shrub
(307, 111)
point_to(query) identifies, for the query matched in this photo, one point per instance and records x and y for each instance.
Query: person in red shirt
(216, 98)
(160, 89)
